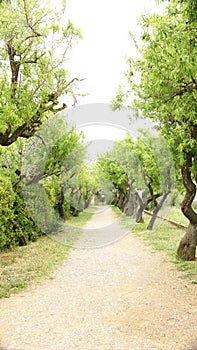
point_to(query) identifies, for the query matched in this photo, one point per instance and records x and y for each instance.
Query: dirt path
(120, 297)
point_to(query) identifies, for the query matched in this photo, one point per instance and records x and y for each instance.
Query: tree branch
(14, 65)
(35, 59)
(186, 205)
(29, 22)
(188, 87)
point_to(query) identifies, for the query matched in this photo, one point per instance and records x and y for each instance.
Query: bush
(17, 227)
(7, 235)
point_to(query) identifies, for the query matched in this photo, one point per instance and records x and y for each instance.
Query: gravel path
(119, 297)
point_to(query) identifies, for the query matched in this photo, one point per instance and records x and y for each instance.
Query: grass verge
(31, 264)
(164, 238)
(176, 215)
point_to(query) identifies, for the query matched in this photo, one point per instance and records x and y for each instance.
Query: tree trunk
(141, 206)
(120, 201)
(187, 246)
(129, 205)
(130, 200)
(156, 211)
(80, 205)
(143, 202)
(61, 205)
(21, 239)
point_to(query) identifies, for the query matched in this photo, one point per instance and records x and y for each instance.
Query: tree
(167, 93)
(144, 159)
(190, 8)
(158, 171)
(87, 183)
(17, 227)
(136, 169)
(110, 169)
(33, 53)
(52, 162)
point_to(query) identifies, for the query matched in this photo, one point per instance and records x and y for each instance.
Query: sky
(100, 57)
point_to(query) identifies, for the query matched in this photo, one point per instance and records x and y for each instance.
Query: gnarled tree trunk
(130, 203)
(187, 245)
(120, 201)
(144, 201)
(61, 205)
(141, 206)
(156, 211)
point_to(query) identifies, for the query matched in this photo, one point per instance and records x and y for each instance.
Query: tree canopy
(33, 54)
(166, 92)
(138, 176)
(35, 44)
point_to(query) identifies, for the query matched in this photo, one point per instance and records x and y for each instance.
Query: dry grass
(24, 266)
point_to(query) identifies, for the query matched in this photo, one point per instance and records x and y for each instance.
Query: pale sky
(100, 56)
(104, 132)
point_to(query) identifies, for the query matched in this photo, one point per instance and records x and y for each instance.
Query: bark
(14, 65)
(28, 130)
(140, 210)
(156, 211)
(144, 201)
(80, 204)
(130, 202)
(153, 197)
(74, 209)
(120, 201)
(187, 246)
(61, 205)
(21, 239)
(190, 194)
(86, 203)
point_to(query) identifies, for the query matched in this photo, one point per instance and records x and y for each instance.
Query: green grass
(25, 266)
(81, 220)
(176, 215)
(165, 238)
(31, 264)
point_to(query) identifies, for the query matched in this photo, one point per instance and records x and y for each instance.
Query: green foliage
(146, 160)
(140, 161)
(33, 55)
(168, 63)
(15, 219)
(110, 169)
(6, 214)
(190, 7)
(53, 168)
(164, 82)
(33, 179)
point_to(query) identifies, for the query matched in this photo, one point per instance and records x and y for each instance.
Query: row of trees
(167, 94)
(42, 171)
(43, 181)
(35, 46)
(139, 174)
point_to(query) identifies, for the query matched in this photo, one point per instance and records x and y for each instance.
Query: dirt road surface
(119, 297)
